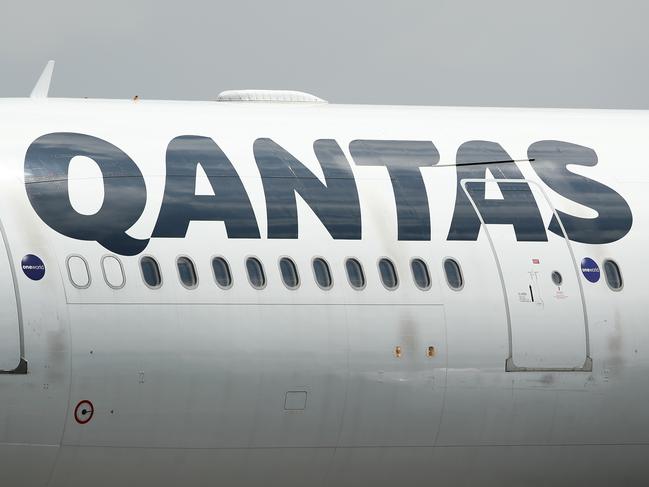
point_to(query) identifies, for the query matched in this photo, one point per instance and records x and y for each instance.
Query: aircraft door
(10, 349)
(547, 322)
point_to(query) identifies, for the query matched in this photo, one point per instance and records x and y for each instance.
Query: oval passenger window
(613, 275)
(187, 272)
(78, 272)
(150, 272)
(113, 272)
(388, 274)
(420, 274)
(322, 273)
(355, 273)
(289, 273)
(453, 274)
(221, 271)
(255, 272)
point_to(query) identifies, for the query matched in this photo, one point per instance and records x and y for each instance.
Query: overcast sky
(563, 53)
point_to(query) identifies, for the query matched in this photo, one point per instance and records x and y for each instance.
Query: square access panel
(295, 401)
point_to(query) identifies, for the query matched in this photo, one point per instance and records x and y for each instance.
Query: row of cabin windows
(291, 277)
(114, 273)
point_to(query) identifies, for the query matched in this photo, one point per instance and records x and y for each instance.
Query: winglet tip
(42, 86)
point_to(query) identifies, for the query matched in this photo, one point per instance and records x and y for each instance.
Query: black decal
(181, 205)
(335, 204)
(517, 207)
(614, 217)
(46, 181)
(402, 158)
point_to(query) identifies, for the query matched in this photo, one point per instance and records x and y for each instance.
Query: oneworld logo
(590, 269)
(33, 267)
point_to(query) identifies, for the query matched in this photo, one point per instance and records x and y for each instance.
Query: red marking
(536, 261)
(84, 412)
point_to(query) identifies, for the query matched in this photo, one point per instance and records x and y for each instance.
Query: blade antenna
(42, 87)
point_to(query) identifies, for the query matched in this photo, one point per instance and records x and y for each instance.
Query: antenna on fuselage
(42, 87)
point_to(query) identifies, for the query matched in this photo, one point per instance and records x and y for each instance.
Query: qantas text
(335, 201)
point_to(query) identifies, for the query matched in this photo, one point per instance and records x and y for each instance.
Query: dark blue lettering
(181, 205)
(403, 160)
(335, 203)
(614, 218)
(517, 207)
(46, 181)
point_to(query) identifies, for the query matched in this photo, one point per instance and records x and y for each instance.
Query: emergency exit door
(547, 322)
(10, 339)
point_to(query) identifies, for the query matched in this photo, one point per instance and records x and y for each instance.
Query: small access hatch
(295, 401)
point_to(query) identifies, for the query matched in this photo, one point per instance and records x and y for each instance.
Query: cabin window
(151, 272)
(113, 272)
(613, 275)
(222, 274)
(289, 273)
(355, 273)
(420, 274)
(388, 274)
(322, 273)
(78, 271)
(255, 272)
(557, 278)
(453, 274)
(187, 272)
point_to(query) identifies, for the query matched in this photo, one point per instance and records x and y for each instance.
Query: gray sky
(562, 53)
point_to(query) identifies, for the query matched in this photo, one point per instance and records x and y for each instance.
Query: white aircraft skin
(198, 387)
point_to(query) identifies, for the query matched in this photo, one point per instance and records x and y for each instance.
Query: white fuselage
(509, 380)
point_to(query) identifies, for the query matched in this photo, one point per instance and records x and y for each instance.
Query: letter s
(614, 218)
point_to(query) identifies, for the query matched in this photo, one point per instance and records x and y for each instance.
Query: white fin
(42, 87)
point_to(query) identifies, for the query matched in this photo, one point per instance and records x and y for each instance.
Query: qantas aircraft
(267, 289)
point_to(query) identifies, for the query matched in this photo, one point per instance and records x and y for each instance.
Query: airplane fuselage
(496, 334)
